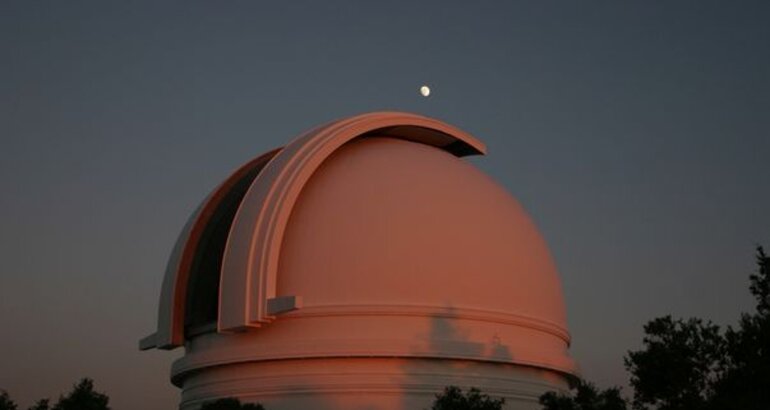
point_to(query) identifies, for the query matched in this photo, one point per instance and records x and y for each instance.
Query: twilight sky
(637, 135)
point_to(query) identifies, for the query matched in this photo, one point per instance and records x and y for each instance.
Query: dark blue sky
(636, 134)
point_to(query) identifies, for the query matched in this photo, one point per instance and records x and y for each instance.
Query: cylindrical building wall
(365, 383)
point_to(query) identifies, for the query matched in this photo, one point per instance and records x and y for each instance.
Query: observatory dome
(366, 265)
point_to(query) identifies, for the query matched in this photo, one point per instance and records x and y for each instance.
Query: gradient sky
(637, 135)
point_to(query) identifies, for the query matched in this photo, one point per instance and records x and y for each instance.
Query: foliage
(745, 367)
(5, 401)
(230, 404)
(41, 404)
(587, 397)
(760, 283)
(83, 397)
(691, 365)
(453, 399)
(678, 365)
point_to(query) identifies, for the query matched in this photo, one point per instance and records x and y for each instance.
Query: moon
(425, 90)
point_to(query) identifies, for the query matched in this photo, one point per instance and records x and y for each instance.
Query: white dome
(364, 257)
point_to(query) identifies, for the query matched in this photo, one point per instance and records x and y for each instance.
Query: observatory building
(363, 266)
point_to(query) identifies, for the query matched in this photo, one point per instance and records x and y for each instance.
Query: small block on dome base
(283, 304)
(148, 342)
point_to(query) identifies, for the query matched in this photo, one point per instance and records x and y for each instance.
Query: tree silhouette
(83, 397)
(230, 404)
(691, 365)
(760, 283)
(41, 404)
(5, 401)
(744, 381)
(587, 397)
(677, 366)
(453, 399)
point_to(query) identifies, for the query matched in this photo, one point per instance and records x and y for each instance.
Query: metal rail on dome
(251, 263)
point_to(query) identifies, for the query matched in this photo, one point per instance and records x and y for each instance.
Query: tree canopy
(83, 397)
(692, 365)
(744, 378)
(587, 397)
(41, 404)
(678, 365)
(5, 401)
(230, 404)
(452, 398)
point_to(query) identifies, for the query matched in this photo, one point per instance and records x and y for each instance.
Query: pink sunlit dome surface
(367, 248)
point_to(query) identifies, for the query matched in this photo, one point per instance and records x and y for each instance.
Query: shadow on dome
(426, 376)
